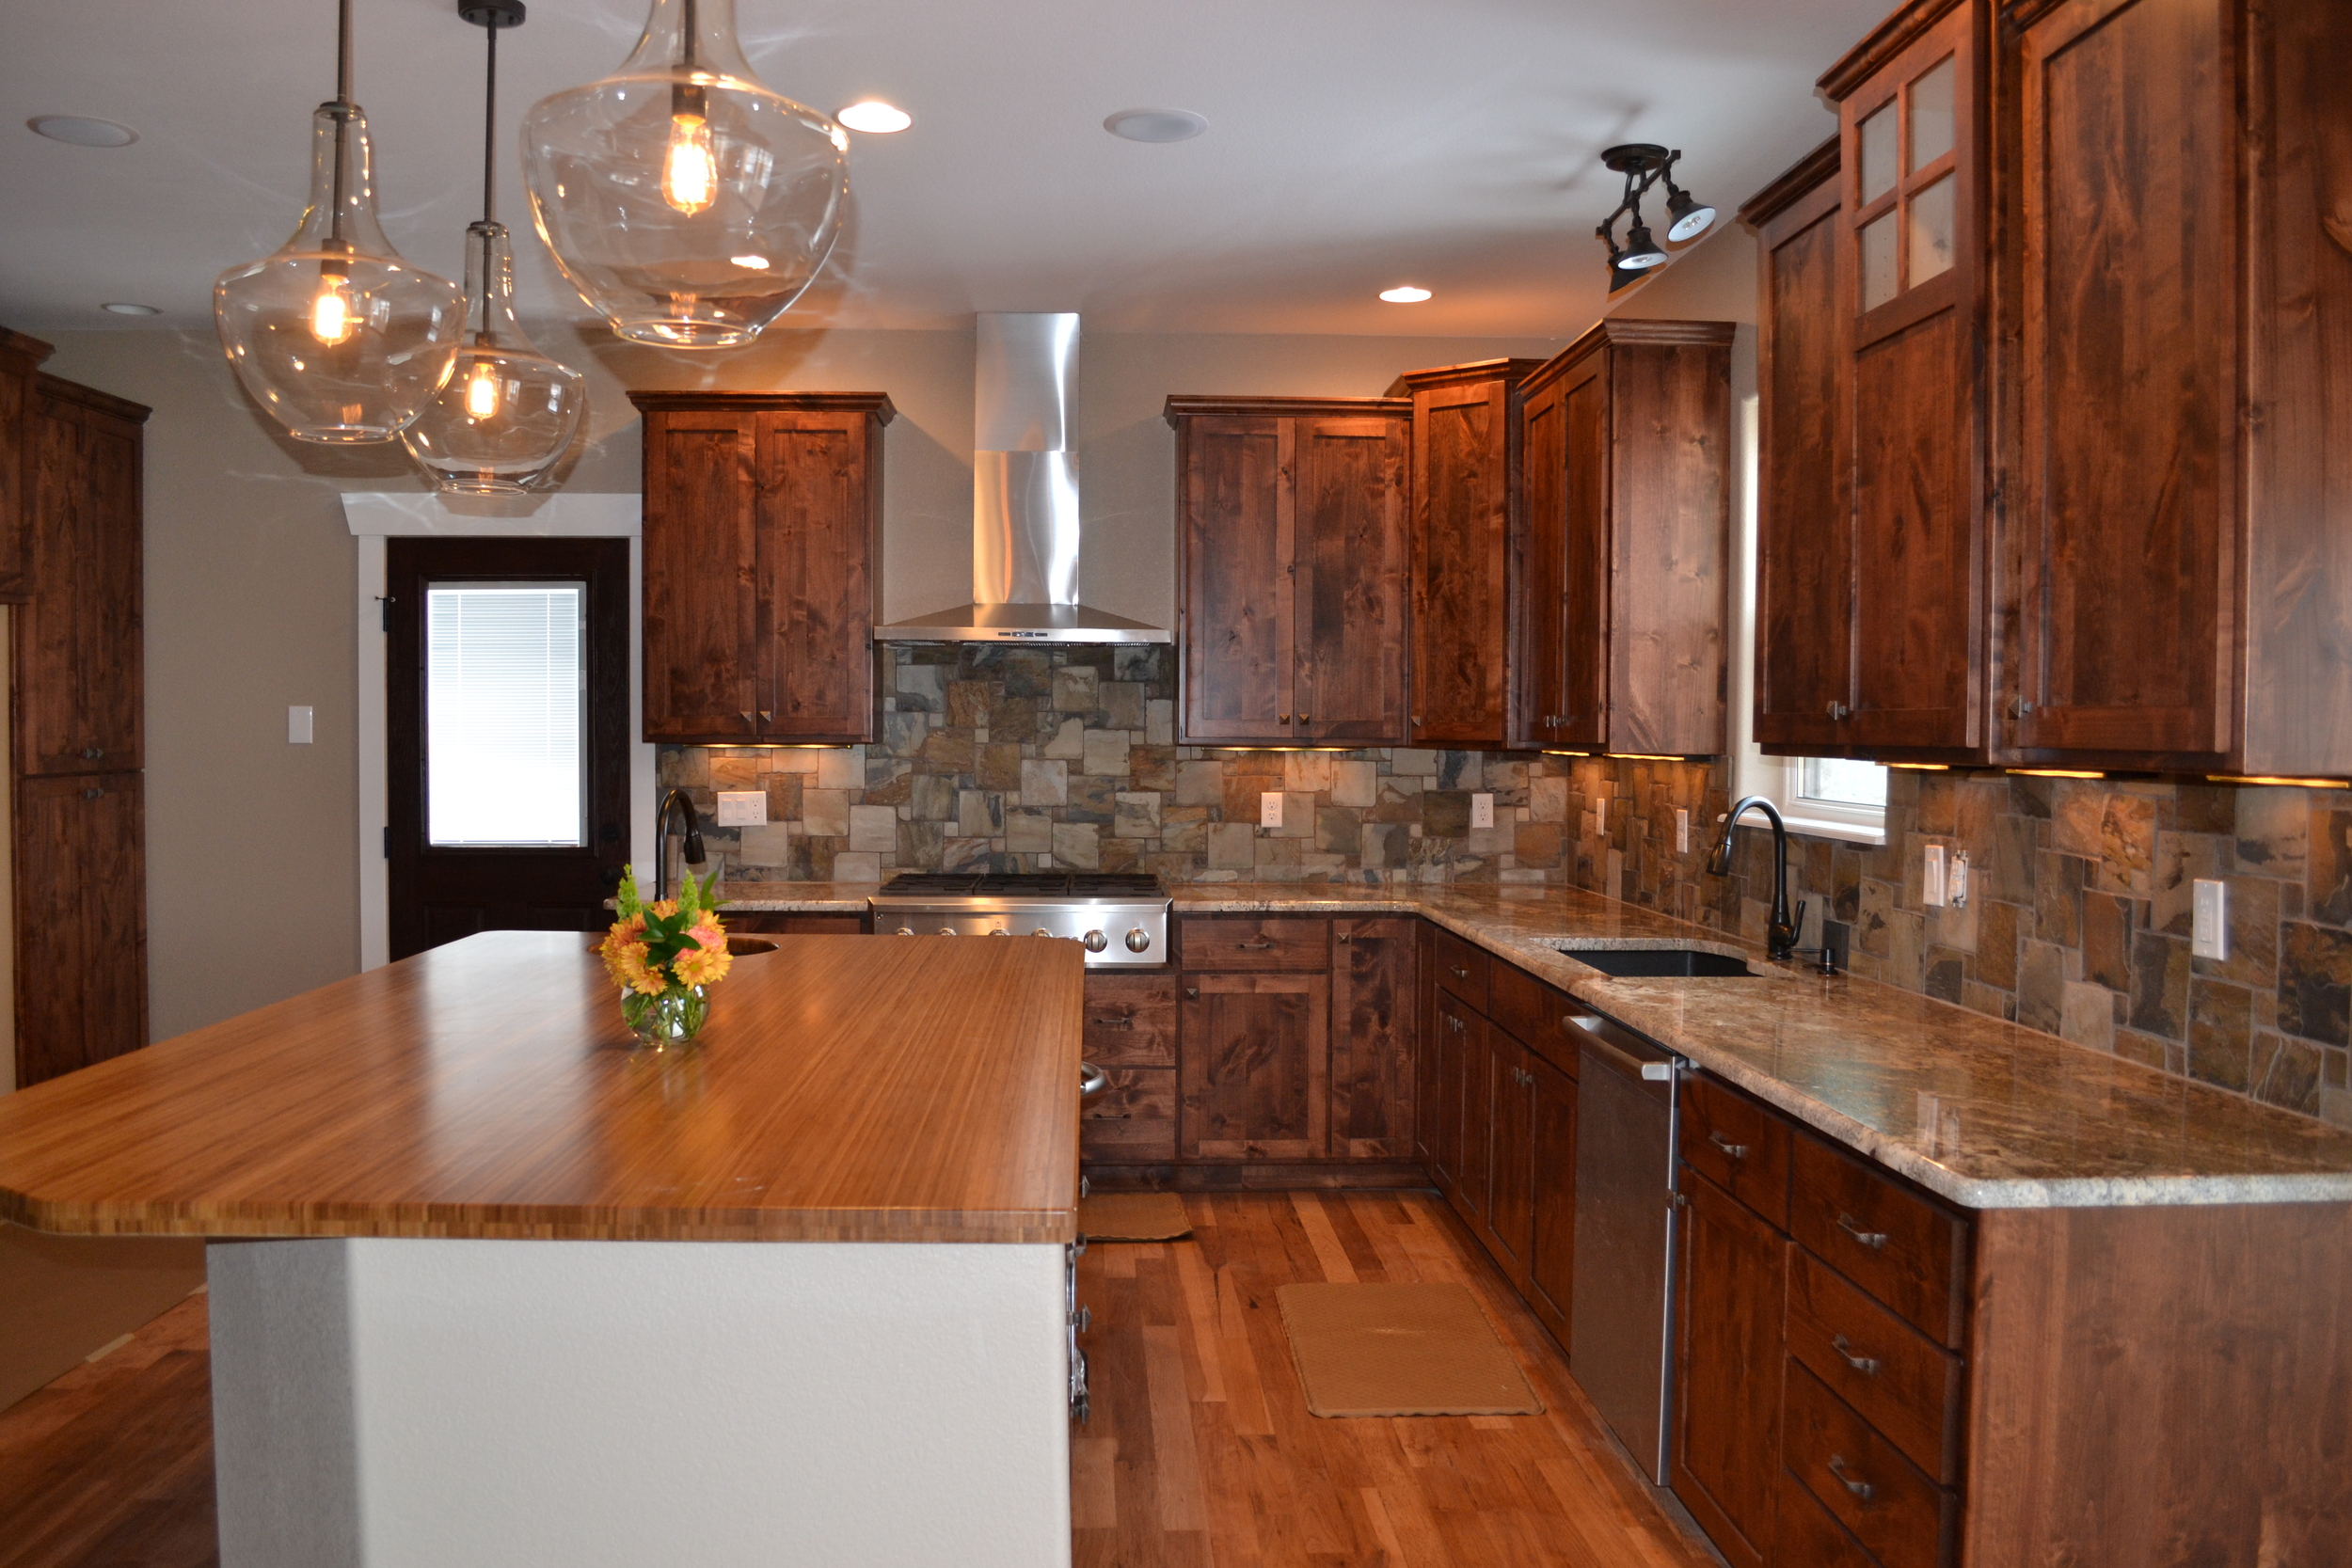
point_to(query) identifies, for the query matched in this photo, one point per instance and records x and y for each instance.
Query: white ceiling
(1352, 145)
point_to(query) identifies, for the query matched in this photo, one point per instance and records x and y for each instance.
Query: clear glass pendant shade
(683, 199)
(334, 335)
(507, 414)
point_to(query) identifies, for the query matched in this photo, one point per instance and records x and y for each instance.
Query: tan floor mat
(1400, 1350)
(1132, 1217)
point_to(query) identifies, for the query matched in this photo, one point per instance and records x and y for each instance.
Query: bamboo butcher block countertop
(844, 1089)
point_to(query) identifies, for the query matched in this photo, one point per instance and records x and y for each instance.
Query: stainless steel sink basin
(1644, 963)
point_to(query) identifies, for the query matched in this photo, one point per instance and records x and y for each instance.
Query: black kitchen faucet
(1781, 934)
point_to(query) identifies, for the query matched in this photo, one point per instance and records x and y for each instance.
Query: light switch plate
(1269, 808)
(2209, 920)
(1481, 810)
(1682, 831)
(1600, 815)
(1931, 877)
(743, 808)
(299, 726)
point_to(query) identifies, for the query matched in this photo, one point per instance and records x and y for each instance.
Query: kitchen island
(489, 1285)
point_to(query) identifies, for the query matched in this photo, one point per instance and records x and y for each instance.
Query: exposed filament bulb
(689, 173)
(332, 319)
(482, 391)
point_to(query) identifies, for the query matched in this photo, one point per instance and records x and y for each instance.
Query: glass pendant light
(683, 199)
(334, 335)
(507, 414)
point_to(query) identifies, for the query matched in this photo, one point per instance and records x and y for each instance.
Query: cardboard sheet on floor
(1400, 1350)
(1132, 1217)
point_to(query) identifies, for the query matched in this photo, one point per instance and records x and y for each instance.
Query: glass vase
(668, 1018)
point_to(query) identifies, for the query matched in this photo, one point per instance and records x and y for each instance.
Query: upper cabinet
(20, 370)
(762, 538)
(1911, 434)
(1619, 578)
(1466, 485)
(1291, 518)
(2180, 511)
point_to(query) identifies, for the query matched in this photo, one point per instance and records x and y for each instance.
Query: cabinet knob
(1306, 718)
(92, 794)
(746, 713)
(1281, 718)
(765, 716)
(1342, 936)
(1839, 710)
(1192, 993)
(2020, 708)
(92, 754)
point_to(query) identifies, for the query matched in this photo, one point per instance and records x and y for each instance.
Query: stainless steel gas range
(1121, 918)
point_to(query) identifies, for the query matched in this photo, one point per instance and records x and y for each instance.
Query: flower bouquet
(666, 956)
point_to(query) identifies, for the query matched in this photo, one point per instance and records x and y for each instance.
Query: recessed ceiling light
(80, 131)
(122, 308)
(1155, 124)
(1406, 294)
(875, 117)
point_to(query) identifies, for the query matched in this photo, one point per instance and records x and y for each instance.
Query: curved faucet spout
(1781, 930)
(690, 852)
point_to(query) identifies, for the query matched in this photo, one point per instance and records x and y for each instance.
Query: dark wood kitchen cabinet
(1621, 551)
(81, 921)
(1912, 272)
(1551, 1241)
(21, 360)
(1291, 518)
(1465, 490)
(1375, 995)
(1727, 1369)
(1251, 1074)
(762, 543)
(1805, 527)
(1509, 1230)
(2184, 377)
(80, 640)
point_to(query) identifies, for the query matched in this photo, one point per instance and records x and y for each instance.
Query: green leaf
(626, 901)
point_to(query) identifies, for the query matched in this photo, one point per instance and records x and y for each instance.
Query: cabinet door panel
(1353, 484)
(1253, 1065)
(1461, 503)
(1133, 1120)
(1511, 1189)
(79, 643)
(1239, 500)
(81, 921)
(1429, 1122)
(820, 495)
(1916, 544)
(1551, 1247)
(2131, 292)
(1464, 1115)
(1727, 1369)
(1539, 670)
(701, 569)
(1805, 524)
(1374, 1004)
(20, 370)
(1584, 559)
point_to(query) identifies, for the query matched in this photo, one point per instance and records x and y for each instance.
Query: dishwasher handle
(1628, 1063)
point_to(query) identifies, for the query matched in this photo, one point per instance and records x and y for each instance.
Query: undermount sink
(1645, 963)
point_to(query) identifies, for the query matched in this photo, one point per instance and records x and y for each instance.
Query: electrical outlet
(1482, 811)
(1600, 814)
(298, 727)
(2209, 920)
(1931, 877)
(743, 808)
(1682, 831)
(1956, 881)
(1269, 808)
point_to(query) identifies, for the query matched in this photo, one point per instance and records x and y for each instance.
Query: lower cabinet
(81, 921)
(1510, 1228)
(1131, 1034)
(1374, 1003)
(1253, 1068)
(1551, 1256)
(1727, 1369)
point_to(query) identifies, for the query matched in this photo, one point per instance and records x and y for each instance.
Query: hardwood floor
(1200, 1450)
(111, 1466)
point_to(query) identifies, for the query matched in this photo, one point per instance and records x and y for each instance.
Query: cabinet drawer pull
(1256, 945)
(92, 754)
(1874, 1240)
(1460, 974)
(1867, 1364)
(1839, 710)
(1852, 1483)
(92, 794)
(1127, 1023)
(1731, 1150)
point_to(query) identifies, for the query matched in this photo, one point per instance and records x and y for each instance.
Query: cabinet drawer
(1133, 1120)
(771, 924)
(1895, 1377)
(1890, 1505)
(1462, 969)
(1242, 944)
(1895, 1244)
(1534, 1013)
(1131, 1019)
(1736, 1144)
(1809, 1537)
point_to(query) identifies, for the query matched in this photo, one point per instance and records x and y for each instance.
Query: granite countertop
(1988, 1114)
(797, 897)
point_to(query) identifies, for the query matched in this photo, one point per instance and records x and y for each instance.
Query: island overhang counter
(489, 1284)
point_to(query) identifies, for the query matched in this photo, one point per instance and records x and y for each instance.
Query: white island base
(396, 1403)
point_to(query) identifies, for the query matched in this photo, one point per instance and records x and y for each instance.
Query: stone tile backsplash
(2077, 923)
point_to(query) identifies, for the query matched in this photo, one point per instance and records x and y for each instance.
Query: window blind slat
(505, 715)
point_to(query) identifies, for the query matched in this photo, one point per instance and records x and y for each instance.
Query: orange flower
(706, 965)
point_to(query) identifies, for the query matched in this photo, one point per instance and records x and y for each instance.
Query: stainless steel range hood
(1024, 497)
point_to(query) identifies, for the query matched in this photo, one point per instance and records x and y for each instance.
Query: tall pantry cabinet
(71, 522)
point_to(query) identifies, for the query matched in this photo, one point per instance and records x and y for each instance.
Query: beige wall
(249, 584)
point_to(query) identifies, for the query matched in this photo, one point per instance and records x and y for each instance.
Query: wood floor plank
(1330, 1256)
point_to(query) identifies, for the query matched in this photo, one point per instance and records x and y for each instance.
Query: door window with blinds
(506, 708)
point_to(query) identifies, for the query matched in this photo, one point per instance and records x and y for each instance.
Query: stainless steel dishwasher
(1621, 1312)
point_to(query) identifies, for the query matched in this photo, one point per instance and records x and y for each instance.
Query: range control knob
(1040, 931)
(1000, 932)
(1096, 941)
(906, 930)
(1138, 939)
(947, 930)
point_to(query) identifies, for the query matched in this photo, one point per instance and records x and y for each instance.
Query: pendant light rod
(343, 54)
(342, 117)
(491, 125)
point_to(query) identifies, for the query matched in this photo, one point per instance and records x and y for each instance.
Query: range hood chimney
(1024, 497)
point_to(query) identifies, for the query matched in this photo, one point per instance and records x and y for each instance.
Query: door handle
(1874, 1240)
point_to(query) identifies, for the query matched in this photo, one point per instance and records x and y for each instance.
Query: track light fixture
(1643, 164)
